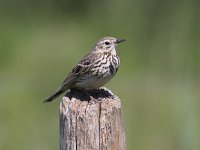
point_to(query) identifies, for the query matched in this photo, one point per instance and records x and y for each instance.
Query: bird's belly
(98, 76)
(93, 82)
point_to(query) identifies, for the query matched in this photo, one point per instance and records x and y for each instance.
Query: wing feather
(83, 67)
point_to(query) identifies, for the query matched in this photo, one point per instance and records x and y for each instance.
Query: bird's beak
(120, 40)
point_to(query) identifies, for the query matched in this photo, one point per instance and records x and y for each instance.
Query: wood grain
(91, 121)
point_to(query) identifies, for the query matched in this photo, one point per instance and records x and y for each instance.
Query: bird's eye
(107, 43)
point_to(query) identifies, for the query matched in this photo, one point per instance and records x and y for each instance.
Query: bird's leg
(94, 95)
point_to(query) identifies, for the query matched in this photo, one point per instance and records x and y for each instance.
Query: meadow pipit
(94, 70)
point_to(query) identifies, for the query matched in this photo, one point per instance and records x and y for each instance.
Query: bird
(94, 70)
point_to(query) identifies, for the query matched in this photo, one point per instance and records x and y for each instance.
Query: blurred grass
(158, 80)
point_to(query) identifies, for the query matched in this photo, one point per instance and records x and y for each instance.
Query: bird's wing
(82, 68)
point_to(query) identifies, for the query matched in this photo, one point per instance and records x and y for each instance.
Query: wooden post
(91, 121)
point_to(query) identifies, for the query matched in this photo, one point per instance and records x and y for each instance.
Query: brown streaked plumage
(94, 70)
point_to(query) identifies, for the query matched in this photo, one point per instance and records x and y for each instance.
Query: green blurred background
(158, 80)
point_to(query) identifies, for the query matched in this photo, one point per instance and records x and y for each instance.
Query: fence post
(91, 121)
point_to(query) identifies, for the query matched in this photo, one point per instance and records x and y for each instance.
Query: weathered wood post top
(91, 121)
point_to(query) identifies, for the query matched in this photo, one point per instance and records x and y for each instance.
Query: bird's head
(107, 43)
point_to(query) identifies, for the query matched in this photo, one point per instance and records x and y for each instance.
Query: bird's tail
(54, 95)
